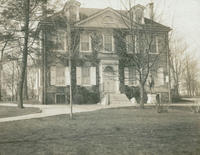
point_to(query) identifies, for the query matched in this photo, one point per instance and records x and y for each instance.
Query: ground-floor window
(59, 76)
(131, 76)
(60, 98)
(86, 76)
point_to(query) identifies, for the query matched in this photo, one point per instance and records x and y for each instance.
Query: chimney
(71, 10)
(151, 11)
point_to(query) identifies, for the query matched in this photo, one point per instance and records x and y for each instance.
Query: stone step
(121, 97)
(115, 99)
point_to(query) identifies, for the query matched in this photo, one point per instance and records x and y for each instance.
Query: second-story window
(130, 43)
(85, 42)
(59, 41)
(153, 48)
(108, 43)
(160, 44)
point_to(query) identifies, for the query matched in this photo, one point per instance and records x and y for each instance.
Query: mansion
(102, 47)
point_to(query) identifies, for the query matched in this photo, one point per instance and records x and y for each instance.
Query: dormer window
(85, 42)
(71, 10)
(138, 12)
(139, 16)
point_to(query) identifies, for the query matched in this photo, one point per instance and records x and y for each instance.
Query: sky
(183, 16)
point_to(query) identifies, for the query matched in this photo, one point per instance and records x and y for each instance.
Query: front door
(109, 81)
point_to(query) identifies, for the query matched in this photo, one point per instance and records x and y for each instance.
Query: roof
(88, 12)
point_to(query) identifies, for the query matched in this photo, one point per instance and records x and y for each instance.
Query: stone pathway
(53, 110)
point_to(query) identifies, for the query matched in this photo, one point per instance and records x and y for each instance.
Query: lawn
(6, 111)
(124, 131)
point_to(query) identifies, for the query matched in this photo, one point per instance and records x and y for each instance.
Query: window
(86, 75)
(160, 76)
(59, 41)
(60, 98)
(160, 43)
(59, 76)
(73, 13)
(85, 43)
(153, 48)
(131, 76)
(139, 16)
(108, 43)
(143, 43)
(130, 43)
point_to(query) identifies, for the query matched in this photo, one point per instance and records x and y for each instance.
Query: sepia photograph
(107, 77)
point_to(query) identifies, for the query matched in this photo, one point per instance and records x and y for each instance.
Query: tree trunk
(25, 53)
(1, 68)
(70, 66)
(13, 75)
(25, 86)
(44, 59)
(141, 96)
(176, 90)
(44, 69)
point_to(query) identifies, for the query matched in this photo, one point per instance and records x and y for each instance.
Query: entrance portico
(109, 77)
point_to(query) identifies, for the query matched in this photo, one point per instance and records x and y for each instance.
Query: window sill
(132, 85)
(59, 85)
(108, 52)
(132, 53)
(154, 53)
(85, 51)
(60, 51)
(84, 85)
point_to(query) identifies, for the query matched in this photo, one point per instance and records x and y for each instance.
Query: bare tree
(191, 76)
(24, 14)
(141, 44)
(177, 56)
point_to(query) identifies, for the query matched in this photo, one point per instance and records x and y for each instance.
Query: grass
(124, 131)
(6, 111)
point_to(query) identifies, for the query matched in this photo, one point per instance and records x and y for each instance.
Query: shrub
(134, 92)
(85, 96)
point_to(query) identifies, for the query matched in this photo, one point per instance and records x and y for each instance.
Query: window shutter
(137, 44)
(53, 75)
(67, 76)
(93, 75)
(36, 80)
(137, 77)
(39, 77)
(160, 76)
(78, 75)
(113, 43)
(90, 44)
(126, 76)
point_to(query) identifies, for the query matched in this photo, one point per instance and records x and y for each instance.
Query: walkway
(53, 110)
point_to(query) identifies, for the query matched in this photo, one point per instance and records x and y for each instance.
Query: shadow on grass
(15, 111)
